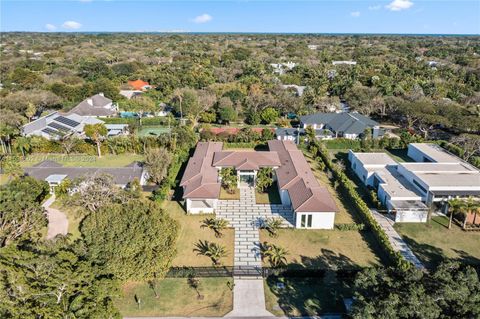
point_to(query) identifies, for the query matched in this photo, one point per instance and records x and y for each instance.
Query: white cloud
(375, 7)
(398, 5)
(355, 14)
(50, 27)
(204, 18)
(73, 25)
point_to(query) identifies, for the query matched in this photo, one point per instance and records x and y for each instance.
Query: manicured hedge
(347, 188)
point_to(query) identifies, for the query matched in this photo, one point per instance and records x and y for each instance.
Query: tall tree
(157, 161)
(21, 213)
(54, 280)
(97, 133)
(134, 241)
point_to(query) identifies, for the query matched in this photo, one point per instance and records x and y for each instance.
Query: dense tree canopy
(450, 291)
(21, 213)
(135, 240)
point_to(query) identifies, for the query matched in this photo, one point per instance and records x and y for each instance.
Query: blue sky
(339, 16)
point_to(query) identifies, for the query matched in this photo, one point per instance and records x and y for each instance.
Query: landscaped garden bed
(270, 196)
(176, 297)
(226, 195)
(433, 242)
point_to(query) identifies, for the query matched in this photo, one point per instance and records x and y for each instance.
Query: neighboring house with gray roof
(297, 134)
(348, 125)
(54, 173)
(55, 126)
(96, 106)
(312, 205)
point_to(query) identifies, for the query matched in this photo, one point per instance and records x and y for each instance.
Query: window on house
(306, 221)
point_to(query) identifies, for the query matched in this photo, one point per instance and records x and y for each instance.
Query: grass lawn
(305, 296)
(190, 233)
(177, 298)
(316, 248)
(271, 196)
(434, 242)
(224, 195)
(73, 215)
(77, 160)
(153, 130)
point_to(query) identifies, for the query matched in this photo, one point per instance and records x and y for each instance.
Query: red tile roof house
(139, 85)
(312, 205)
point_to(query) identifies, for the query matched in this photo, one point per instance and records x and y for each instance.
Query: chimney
(101, 94)
(90, 101)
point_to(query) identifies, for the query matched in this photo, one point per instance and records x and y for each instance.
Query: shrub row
(348, 189)
(170, 181)
(367, 144)
(243, 145)
(351, 226)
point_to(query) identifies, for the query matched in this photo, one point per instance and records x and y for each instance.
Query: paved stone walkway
(57, 221)
(246, 217)
(395, 239)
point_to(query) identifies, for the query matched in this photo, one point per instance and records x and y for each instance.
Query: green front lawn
(189, 233)
(433, 242)
(315, 248)
(176, 298)
(270, 196)
(305, 296)
(224, 195)
(77, 160)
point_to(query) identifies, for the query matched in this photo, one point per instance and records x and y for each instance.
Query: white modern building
(409, 190)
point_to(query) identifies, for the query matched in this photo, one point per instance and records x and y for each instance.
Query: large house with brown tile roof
(312, 205)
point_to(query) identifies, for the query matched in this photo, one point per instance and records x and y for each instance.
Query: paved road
(395, 239)
(57, 221)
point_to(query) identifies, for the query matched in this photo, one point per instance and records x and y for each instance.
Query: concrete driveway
(57, 221)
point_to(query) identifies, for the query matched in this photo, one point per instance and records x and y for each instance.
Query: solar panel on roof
(50, 131)
(59, 127)
(66, 121)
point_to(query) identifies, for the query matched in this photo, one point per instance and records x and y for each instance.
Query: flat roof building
(433, 179)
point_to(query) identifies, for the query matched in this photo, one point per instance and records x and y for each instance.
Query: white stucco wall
(323, 220)
(411, 217)
(201, 210)
(284, 197)
(415, 154)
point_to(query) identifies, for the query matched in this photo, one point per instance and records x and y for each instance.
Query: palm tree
(470, 206)
(215, 224)
(454, 205)
(272, 225)
(277, 256)
(212, 250)
(23, 145)
(96, 132)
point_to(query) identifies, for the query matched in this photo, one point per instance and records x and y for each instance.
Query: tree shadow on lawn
(308, 296)
(429, 255)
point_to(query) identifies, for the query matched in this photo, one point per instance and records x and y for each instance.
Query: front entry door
(246, 180)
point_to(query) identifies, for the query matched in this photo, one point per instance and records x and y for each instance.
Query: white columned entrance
(246, 178)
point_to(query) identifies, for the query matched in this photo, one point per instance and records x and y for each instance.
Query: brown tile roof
(200, 179)
(245, 160)
(295, 176)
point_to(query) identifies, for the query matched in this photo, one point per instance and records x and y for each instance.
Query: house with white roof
(408, 190)
(282, 68)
